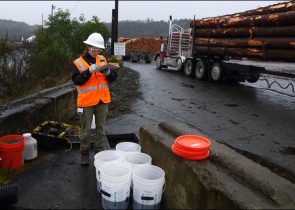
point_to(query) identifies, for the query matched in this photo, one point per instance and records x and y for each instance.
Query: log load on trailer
(206, 50)
(141, 48)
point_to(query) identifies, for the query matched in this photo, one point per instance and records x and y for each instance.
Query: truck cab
(175, 49)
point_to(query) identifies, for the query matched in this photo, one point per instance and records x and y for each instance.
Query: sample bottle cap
(26, 135)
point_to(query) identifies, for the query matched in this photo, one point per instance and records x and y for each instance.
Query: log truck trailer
(210, 56)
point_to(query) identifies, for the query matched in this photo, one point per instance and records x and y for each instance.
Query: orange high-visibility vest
(96, 88)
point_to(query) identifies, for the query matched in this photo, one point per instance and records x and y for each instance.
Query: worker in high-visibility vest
(93, 93)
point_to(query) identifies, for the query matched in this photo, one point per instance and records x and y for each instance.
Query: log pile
(143, 45)
(266, 33)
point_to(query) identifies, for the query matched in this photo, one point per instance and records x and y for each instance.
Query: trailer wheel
(200, 70)
(254, 78)
(216, 72)
(179, 64)
(158, 62)
(188, 67)
(132, 59)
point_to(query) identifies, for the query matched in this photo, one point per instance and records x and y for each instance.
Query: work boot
(85, 157)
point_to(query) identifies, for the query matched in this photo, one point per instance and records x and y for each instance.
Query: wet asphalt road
(250, 118)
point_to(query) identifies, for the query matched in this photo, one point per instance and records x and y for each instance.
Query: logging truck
(211, 47)
(141, 48)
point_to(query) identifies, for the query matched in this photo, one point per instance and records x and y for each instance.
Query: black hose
(8, 194)
(269, 84)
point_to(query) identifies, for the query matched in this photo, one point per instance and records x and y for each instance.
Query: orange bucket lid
(190, 152)
(190, 157)
(192, 143)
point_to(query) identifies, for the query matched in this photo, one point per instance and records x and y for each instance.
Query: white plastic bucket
(103, 157)
(147, 182)
(128, 147)
(115, 180)
(137, 158)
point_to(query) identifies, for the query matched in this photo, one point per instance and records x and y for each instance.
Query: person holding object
(92, 79)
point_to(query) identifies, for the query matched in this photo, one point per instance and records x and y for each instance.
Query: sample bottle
(30, 148)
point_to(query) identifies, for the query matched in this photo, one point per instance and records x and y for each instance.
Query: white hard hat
(96, 40)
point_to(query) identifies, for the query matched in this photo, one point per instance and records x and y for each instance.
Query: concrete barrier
(23, 115)
(225, 180)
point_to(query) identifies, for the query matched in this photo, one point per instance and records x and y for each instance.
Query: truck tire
(132, 59)
(147, 59)
(158, 62)
(254, 78)
(201, 70)
(179, 64)
(188, 67)
(216, 72)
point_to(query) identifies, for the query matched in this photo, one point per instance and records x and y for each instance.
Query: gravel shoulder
(123, 92)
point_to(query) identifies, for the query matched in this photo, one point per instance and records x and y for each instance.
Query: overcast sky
(31, 12)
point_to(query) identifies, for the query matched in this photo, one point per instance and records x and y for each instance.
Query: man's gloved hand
(93, 67)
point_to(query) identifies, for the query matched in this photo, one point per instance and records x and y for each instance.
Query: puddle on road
(255, 115)
(186, 85)
(234, 122)
(232, 105)
(178, 99)
(288, 151)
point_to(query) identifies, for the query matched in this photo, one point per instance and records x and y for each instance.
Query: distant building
(31, 38)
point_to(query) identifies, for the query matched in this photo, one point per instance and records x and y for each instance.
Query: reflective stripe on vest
(88, 89)
(103, 86)
(102, 61)
(79, 62)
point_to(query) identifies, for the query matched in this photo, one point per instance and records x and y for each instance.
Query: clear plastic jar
(30, 148)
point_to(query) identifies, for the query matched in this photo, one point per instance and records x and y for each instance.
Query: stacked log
(275, 8)
(123, 39)
(143, 45)
(269, 43)
(265, 33)
(246, 32)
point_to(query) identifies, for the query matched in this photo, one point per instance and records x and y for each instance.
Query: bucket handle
(164, 187)
(105, 193)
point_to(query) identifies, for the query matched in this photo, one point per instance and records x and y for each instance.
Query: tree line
(14, 31)
(147, 28)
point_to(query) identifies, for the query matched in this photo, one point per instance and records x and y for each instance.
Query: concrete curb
(235, 180)
(57, 103)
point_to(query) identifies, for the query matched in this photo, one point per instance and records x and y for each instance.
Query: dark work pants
(100, 112)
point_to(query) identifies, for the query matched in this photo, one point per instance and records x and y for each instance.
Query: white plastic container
(30, 147)
(148, 182)
(137, 158)
(106, 156)
(128, 147)
(115, 185)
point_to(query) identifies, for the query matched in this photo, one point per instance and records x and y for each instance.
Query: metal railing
(179, 40)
